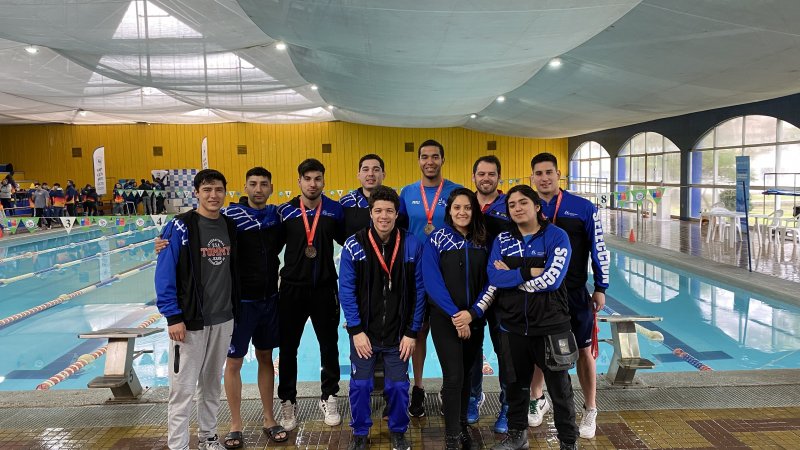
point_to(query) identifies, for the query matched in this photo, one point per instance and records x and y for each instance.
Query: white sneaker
(288, 418)
(536, 410)
(211, 444)
(588, 423)
(330, 409)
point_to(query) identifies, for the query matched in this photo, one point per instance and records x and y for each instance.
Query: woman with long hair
(528, 265)
(454, 272)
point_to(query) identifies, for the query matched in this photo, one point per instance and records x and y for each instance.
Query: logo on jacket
(215, 252)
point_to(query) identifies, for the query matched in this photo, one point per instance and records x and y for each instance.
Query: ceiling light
(314, 87)
(32, 49)
(280, 46)
(82, 113)
(555, 63)
(473, 116)
(330, 107)
(501, 99)
(148, 90)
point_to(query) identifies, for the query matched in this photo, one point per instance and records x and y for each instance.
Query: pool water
(721, 327)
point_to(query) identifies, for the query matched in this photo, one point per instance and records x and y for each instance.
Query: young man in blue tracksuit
(578, 217)
(528, 266)
(422, 206)
(486, 175)
(383, 299)
(197, 292)
(356, 202)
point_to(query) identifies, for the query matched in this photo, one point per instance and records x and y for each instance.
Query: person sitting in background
(119, 202)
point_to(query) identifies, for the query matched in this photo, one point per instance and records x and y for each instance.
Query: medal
(379, 255)
(429, 211)
(310, 251)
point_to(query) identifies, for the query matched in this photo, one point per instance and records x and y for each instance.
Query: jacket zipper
(466, 271)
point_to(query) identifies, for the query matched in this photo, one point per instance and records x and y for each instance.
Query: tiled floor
(687, 237)
(683, 428)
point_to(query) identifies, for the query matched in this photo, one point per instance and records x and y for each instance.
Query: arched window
(650, 160)
(773, 146)
(590, 169)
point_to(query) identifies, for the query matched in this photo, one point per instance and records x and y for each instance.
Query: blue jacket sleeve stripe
(434, 282)
(485, 300)
(166, 267)
(555, 268)
(600, 255)
(419, 310)
(348, 286)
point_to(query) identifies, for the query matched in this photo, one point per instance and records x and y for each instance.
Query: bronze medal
(311, 252)
(429, 228)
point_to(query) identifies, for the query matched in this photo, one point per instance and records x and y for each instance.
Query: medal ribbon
(429, 211)
(379, 255)
(558, 205)
(311, 231)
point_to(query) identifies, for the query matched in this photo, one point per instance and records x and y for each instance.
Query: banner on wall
(99, 159)
(742, 182)
(204, 153)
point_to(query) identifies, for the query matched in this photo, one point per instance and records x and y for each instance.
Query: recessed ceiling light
(314, 87)
(32, 49)
(280, 46)
(501, 98)
(147, 90)
(473, 116)
(82, 113)
(555, 63)
(330, 107)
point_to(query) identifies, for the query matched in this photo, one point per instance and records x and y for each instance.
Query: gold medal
(311, 252)
(429, 228)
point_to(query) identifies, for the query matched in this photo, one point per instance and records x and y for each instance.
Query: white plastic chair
(773, 226)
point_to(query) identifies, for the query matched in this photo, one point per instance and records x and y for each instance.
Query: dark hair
(430, 143)
(56, 184)
(528, 191)
(258, 172)
(477, 224)
(544, 157)
(384, 193)
(206, 176)
(368, 157)
(491, 159)
(310, 165)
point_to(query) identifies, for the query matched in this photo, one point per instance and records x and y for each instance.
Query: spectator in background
(146, 197)
(71, 198)
(90, 199)
(39, 200)
(57, 201)
(158, 185)
(6, 191)
(119, 202)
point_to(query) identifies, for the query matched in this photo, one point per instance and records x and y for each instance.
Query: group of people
(437, 257)
(148, 193)
(49, 203)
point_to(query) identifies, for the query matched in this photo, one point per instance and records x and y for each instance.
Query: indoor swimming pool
(54, 286)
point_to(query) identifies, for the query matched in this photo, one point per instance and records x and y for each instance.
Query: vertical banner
(204, 153)
(742, 175)
(99, 159)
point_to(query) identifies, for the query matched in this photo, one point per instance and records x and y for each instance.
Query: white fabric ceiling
(393, 63)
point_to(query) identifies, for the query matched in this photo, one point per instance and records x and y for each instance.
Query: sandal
(273, 433)
(233, 436)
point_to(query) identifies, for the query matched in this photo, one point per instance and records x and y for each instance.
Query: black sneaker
(399, 441)
(358, 443)
(417, 406)
(565, 446)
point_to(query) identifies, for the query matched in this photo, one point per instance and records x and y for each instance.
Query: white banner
(99, 158)
(204, 153)
(159, 221)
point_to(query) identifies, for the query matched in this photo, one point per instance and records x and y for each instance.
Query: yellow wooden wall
(43, 152)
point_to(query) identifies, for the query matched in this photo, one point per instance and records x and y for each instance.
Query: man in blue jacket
(197, 292)
(383, 298)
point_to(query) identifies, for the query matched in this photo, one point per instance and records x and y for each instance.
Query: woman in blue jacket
(528, 265)
(454, 272)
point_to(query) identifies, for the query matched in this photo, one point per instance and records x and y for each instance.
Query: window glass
(637, 144)
(762, 160)
(760, 129)
(788, 132)
(672, 168)
(726, 165)
(729, 133)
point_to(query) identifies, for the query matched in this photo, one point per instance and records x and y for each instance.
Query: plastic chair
(773, 226)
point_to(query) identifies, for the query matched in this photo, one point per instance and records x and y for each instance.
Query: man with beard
(308, 288)
(356, 203)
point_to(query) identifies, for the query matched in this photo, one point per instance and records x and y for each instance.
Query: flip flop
(233, 436)
(273, 432)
